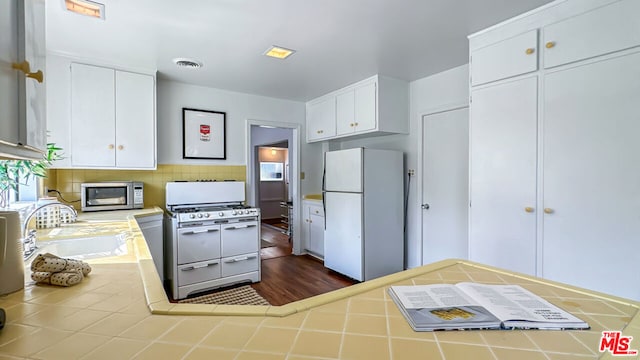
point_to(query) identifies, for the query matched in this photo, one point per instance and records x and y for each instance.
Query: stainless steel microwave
(112, 195)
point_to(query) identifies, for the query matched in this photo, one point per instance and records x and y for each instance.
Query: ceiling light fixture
(85, 7)
(187, 63)
(278, 52)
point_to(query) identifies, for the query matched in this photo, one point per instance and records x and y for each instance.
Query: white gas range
(212, 239)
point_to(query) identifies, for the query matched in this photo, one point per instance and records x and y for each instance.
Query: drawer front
(240, 238)
(241, 264)
(604, 30)
(199, 272)
(198, 244)
(511, 57)
(316, 210)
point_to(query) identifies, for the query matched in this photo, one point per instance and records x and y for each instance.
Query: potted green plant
(18, 172)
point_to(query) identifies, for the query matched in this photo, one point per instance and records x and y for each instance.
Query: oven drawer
(240, 238)
(198, 244)
(198, 272)
(240, 264)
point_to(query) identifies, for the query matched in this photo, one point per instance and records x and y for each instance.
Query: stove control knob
(240, 212)
(206, 215)
(221, 214)
(200, 216)
(234, 212)
(192, 216)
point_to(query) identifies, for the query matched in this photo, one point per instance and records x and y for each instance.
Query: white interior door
(592, 176)
(343, 170)
(503, 128)
(445, 184)
(343, 247)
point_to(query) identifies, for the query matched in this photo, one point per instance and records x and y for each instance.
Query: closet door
(503, 175)
(592, 176)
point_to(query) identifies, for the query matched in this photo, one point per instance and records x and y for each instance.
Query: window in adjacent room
(271, 171)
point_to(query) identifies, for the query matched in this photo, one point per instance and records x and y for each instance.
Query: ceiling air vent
(187, 63)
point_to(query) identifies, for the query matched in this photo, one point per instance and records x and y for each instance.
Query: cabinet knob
(120, 147)
(356, 124)
(528, 209)
(550, 44)
(351, 124)
(310, 221)
(25, 67)
(548, 210)
(530, 51)
(111, 146)
(317, 212)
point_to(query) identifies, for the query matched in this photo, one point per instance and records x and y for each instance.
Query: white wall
(444, 90)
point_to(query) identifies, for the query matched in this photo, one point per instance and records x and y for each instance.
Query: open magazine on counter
(477, 306)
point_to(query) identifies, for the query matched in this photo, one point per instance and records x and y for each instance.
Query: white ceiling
(338, 42)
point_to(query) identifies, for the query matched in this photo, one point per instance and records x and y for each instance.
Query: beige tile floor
(107, 316)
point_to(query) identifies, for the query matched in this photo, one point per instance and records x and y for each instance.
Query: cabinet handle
(548, 210)
(310, 221)
(26, 69)
(110, 146)
(120, 147)
(528, 209)
(530, 51)
(317, 212)
(351, 124)
(356, 124)
(550, 44)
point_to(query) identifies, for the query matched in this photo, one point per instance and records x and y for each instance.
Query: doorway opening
(272, 180)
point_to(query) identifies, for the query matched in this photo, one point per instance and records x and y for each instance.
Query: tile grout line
(295, 339)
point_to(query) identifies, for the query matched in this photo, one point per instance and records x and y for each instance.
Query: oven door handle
(239, 227)
(199, 231)
(244, 258)
(190, 268)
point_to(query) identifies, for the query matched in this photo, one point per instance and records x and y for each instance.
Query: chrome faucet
(29, 237)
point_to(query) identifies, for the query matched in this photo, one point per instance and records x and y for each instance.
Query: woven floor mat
(243, 295)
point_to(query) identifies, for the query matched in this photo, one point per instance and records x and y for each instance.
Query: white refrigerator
(364, 217)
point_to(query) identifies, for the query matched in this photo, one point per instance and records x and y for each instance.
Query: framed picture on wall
(203, 134)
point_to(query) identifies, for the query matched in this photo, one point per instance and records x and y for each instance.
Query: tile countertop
(120, 311)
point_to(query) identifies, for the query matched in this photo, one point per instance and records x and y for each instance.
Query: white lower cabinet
(503, 182)
(313, 227)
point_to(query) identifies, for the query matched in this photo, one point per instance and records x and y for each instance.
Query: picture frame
(204, 134)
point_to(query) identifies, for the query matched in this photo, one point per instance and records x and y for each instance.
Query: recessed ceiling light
(187, 63)
(85, 7)
(278, 52)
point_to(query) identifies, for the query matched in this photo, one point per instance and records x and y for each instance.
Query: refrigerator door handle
(324, 190)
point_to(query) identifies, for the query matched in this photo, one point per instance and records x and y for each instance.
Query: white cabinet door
(321, 119)
(33, 125)
(510, 57)
(92, 116)
(343, 245)
(503, 129)
(365, 107)
(316, 230)
(135, 126)
(592, 176)
(600, 31)
(345, 113)
(8, 76)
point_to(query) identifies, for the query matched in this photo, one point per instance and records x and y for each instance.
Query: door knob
(548, 210)
(425, 206)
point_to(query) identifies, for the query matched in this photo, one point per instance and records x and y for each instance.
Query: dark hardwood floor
(287, 278)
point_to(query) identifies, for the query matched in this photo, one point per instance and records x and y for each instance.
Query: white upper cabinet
(374, 106)
(356, 109)
(113, 121)
(321, 119)
(22, 61)
(600, 31)
(507, 58)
